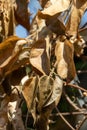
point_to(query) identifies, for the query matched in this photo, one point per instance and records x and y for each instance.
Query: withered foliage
(47, 55)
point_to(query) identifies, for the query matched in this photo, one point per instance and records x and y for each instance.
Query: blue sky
(33, 6)
(84, 19)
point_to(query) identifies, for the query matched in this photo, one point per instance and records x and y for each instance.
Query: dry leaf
(14, 111)
(16, 48)
(79, 46)
(6, 19)
(45, 90)
(53, 1)
(51, 13)
(57, 23)
(57, 92)
(7, 46)
(22, 13)
(55, 8)
(29, 91)
(77, 12)
(39, 57)
(64, 52)
(44, 3)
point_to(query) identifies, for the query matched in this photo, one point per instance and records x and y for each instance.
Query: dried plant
(48, 55)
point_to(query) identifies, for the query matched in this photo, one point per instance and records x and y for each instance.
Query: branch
(72, 103)
(75, 86)
(70, 113)
(65, 120)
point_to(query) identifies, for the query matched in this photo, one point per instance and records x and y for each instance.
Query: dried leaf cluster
(48, 55)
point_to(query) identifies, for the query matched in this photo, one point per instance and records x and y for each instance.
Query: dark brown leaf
(22, 13)
(7, 46)
(16, 48)
(44, 3)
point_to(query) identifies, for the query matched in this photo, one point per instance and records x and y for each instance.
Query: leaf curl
(39, 57)
(64, 52)
(29, 88)
(56, 92)
(45, 90)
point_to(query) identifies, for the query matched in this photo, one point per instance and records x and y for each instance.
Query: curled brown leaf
(64, 52)
(39, 58)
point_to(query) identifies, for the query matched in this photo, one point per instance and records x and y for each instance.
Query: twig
(52, 70)
(72, 103)
(64, 119)
(75, 86)
(82, 29)
(15, 88)
(81, 71)
(70, 113)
